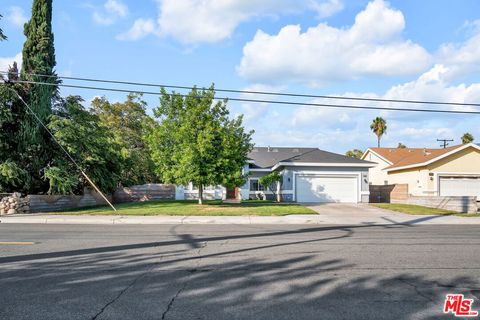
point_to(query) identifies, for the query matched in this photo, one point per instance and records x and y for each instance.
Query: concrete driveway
(362, 213)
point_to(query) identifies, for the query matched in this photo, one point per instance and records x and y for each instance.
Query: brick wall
(459, 204)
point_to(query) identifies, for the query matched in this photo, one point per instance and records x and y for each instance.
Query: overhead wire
(257, 92)
(278, 102)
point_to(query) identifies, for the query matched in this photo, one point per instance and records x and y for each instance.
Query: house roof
(401, 158)
(267, 157)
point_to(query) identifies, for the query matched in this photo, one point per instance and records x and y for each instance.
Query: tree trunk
(378, 141)
(200, 194)
(278, 192)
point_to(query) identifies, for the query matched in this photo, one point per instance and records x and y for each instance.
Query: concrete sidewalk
(353, 218)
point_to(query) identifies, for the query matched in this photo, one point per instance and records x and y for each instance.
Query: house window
(255, 185)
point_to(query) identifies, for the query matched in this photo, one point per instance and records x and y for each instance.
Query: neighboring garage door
(315, 188)
(459, 186)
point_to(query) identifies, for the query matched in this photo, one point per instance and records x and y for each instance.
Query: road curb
(126, 220)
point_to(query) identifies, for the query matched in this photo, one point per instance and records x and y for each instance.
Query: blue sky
(404, 49)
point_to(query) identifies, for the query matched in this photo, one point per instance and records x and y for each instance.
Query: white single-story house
(451, 171)
(308, 175)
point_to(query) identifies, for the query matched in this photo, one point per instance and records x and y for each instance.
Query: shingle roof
(266, 157)
(400, 157)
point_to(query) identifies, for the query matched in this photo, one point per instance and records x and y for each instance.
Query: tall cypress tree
(39, 58)
(2, 36)
(34, 145)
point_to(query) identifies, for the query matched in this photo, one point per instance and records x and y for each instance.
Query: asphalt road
(235, 271)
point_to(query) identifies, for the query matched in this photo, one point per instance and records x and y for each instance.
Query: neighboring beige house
(453, 171)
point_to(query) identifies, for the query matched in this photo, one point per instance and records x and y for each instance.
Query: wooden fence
(152, 191)
(386, 193)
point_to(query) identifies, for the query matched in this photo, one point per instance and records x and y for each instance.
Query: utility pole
(444, 142)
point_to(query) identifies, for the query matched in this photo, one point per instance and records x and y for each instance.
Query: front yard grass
(420, 210)
(192, 208)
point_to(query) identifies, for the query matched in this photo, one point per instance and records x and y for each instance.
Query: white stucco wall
(377, 175)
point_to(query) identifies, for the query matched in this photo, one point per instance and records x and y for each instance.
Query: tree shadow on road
(183, 279)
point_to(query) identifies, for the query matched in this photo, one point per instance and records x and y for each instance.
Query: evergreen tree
(39, 58)
(2, 36)
(34, 146)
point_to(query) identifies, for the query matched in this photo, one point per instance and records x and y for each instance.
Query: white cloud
(5, 62)
(339, 130)
(327, 8)
(16, 16)
(373, 45)
(252, 112)
(141, 28)
(464, 58)
(111, 11)
(116, 6)
(434, 85)
(197, 21)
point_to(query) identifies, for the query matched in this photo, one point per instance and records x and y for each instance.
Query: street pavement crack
(170, 304)
(118, 295)
(191, 271)
(417, 290)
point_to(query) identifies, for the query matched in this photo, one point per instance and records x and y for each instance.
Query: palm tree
(467, 138)
(379, 127)
(401, 145)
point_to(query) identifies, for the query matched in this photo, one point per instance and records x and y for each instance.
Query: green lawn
(191, 208)
(420, 210)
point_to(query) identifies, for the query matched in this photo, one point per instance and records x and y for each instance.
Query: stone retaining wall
(49, 203)
(459, 204)
(14, 204)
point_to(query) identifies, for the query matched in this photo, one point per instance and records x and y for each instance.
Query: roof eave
(324, 164)
(377, 154)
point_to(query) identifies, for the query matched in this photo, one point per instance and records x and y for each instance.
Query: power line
(61, 147)
(298, 95)
(309, 104)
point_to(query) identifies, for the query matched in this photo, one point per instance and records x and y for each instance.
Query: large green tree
(196, 141)
(129, 122)
(90, 144)
(12, 176)
(379, 127)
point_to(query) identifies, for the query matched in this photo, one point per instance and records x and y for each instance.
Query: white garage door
(459, 186)
(314, 188)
